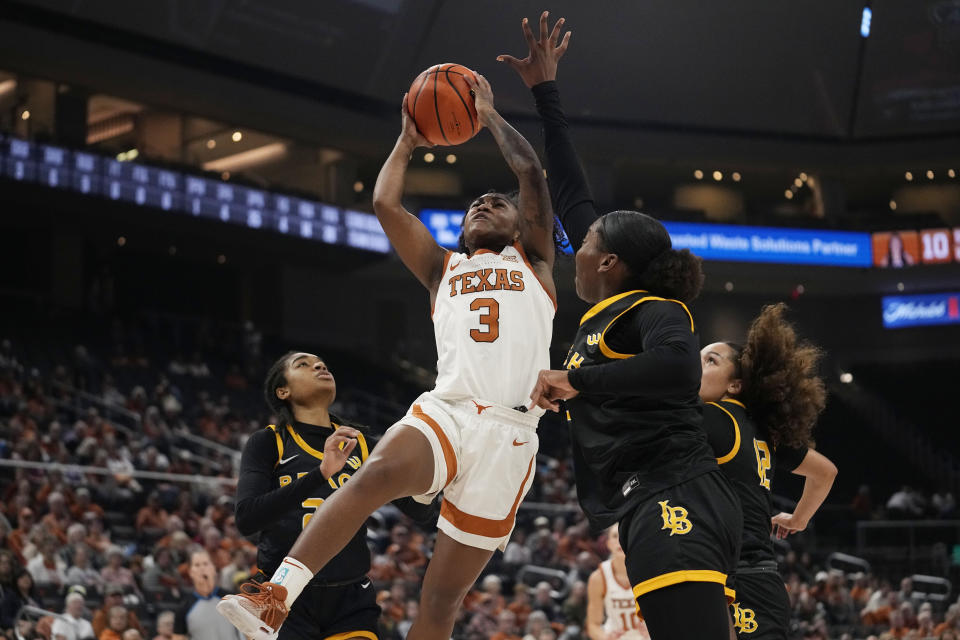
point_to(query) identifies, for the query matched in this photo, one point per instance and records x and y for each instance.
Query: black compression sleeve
(667, 360)
(569, 190)
(259, 503)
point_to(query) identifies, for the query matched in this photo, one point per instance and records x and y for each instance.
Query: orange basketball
(441, 105)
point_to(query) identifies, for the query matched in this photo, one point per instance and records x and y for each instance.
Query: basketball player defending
(611, 608)
(493, 307)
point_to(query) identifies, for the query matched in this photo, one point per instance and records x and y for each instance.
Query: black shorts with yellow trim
(689, 532)
(334, 613)
(762, 608)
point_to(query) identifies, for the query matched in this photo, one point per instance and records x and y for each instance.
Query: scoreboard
(181, 193)
(894, 249)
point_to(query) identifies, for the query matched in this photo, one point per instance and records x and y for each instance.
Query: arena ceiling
(668, 80)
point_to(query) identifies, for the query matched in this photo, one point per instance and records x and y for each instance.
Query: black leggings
(686, 611)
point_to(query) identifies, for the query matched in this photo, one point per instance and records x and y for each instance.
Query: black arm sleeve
(569, 190)
(667, 360)
(258, 503)
(721, 429)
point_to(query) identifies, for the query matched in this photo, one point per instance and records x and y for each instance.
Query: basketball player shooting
(471, 437)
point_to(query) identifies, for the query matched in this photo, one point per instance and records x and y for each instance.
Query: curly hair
(560, 241)
(781, 387)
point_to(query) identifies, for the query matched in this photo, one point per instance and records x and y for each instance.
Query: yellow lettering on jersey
(342, 478)
(310, 503)
(674, 519)
(593, 338)
(763, 462)
(301, 474)
(575, 361)
(745, 620)
(285, 480)
(354, 462)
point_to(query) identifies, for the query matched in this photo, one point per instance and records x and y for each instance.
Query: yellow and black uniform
(749, 459)
(640, 456)
(279, 490)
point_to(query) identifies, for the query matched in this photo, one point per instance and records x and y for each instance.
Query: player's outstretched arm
(569, 189)
(818, 472)
(534, 201)
(409, 237)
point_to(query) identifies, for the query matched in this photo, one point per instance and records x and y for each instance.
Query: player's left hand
(786, 523)
(551, 387)
(482, 94)
(337, 449)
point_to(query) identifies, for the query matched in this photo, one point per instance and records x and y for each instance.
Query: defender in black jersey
(760, 404)
(630, 386)
(287, 470)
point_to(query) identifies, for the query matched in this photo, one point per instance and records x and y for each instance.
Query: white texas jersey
(620, 608)
(493, 321)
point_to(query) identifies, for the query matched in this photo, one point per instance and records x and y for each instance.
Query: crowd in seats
(114, 550)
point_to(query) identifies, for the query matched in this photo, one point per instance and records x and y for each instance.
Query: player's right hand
(540, 65)
(337, 449)
(410, 132)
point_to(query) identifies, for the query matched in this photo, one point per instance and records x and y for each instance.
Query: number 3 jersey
(280, 489)
(748, 458)
(493, 322)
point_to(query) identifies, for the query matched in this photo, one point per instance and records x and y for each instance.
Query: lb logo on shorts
(593, 338)
(674, 519)
(745, 620)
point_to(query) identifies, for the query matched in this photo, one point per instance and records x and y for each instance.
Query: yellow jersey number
(763, 462)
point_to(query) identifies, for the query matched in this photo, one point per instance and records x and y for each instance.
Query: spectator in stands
(72, 625)
(575, 606)
(484, 618)
(520, 605)
(80, 572)
(165, 623)
(113, 597)
(162, 574)
(19, 537)
(950, 621)
(23, 593)
(98, 538)
(517, 554)
(862, 505)
(506, 626)
(897, 628)
(151, 515)
(944, 504)
(212, 542)
(132, 634)
(543, 601)
(198, 617)
(76, 539)
(537, 623)
(905, 504)
(115, 573)
(47, 567)
(493, 586)
(8, 569)
(118, 621)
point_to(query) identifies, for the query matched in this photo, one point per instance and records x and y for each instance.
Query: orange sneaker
(257, 611)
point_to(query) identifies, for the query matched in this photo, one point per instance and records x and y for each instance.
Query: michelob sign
(921, 310)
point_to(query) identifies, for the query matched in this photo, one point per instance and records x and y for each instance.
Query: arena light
(736, 176)
(893, 205)
(908, 176)
(698, 174)
(803, 176)
(237, 136)
(451, 158)
(429, 157)
(788, 194)
(798, 183)
(121, 241)
(951, 173)
(929, 174)
(865, 19)
(717, 176)
(249, 158)
(846, 377)
(357, 186)
(211, 143)
(900, 286)
(7, 86)
(25, 114)
(221, 259)
(728, 286)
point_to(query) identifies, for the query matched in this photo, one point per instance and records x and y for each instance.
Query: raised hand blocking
(540, 65)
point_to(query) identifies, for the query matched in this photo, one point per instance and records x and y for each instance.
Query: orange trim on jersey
(736, 402)
(369, 635)
(446, 261)
(449, 457)
(526, 261)
(485, 527)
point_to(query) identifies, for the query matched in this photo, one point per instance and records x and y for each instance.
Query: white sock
(293, 575)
